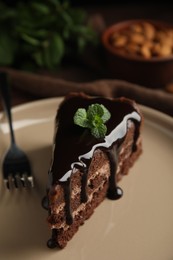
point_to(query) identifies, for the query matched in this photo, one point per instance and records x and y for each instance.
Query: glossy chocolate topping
(74, 146)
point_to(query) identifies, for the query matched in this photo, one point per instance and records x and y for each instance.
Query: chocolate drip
(45, 202)
(114, 192)
(84, 196)
(67, 198)
(51, 243)
(84, 179)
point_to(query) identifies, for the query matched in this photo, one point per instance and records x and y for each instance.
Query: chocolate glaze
(51, 243)
(74, 146)
(114, 192)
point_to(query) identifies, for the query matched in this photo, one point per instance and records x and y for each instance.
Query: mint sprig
(94, 119)
(41, 34)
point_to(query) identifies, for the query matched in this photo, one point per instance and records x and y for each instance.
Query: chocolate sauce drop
(51, 243)
(45, 203)
(115, 194)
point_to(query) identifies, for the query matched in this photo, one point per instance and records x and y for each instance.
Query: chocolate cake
(85, 168)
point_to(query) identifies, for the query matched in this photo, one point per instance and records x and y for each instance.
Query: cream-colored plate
(137, 227)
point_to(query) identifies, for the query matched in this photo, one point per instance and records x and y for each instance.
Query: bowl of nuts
(140, 51)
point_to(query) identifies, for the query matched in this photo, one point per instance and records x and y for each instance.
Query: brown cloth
(43, 86)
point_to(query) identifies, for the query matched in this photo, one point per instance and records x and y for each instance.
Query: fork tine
(6, 183)
(10, 182)
(28, 180)
(31, 180)
(18, 181)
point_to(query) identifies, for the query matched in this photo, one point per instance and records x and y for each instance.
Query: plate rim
(25, 105)
(146, 110)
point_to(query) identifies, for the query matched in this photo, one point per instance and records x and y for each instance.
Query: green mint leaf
(94, 119)
(94, 110)
(106, 114)
(30, 40)
(41, 8)
(80, 118)
(100, 131)
(97, 110)
(56, 49)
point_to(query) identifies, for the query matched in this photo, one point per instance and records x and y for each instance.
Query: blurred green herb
(40, 34)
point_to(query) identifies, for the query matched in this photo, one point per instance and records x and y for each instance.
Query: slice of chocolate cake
(96, 141)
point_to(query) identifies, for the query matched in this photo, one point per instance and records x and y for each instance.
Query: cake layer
(99, 172)
(61, 236)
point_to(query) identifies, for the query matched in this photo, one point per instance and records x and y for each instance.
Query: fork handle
(5, 94)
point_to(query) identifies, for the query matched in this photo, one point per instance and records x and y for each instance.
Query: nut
(137, 28)
(137, 38)
(144, 39)
(145, 51)
(155, 49)
(149, 31)
(165, 50)
(119, 40)
(132, 48)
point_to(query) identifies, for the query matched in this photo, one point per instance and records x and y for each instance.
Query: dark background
(119, 10)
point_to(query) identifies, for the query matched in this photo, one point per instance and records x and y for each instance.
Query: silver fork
(16, 166)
